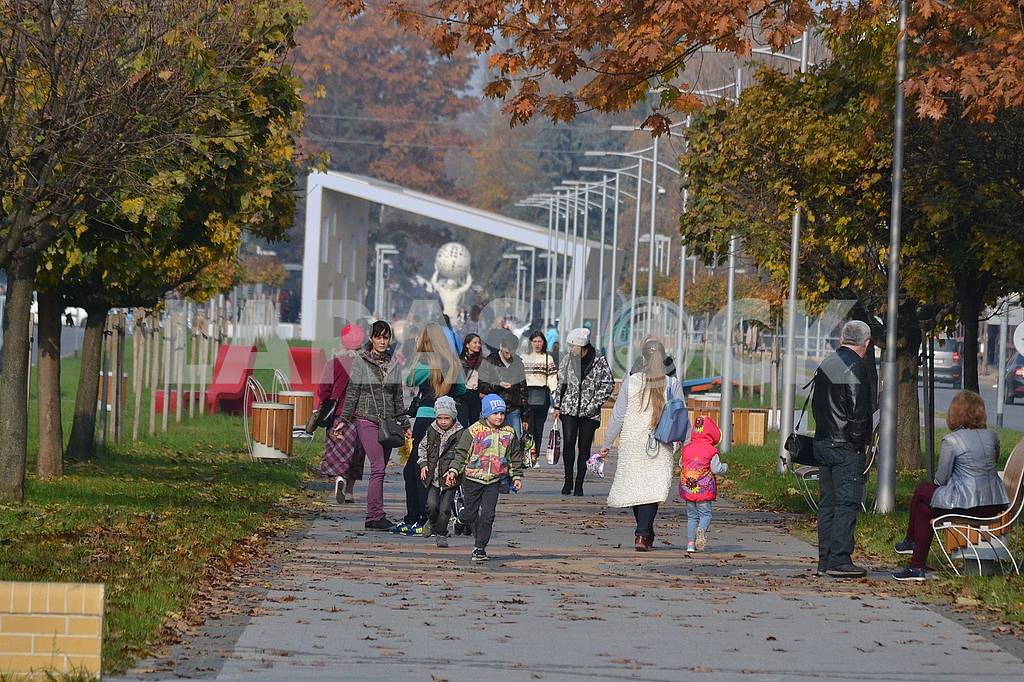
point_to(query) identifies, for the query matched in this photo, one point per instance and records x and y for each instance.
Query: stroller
(459, 503)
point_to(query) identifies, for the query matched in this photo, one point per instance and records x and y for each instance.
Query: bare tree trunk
(180, 355)
(21, 276)
(153, 332)
(138, 371)
(49, 461)
(83, 428)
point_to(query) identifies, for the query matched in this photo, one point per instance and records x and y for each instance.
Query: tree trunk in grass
(49, 462)
(83, 428)
(908, 428)
(21, 277)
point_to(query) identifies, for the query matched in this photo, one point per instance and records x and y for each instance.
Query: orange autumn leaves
(609, 53)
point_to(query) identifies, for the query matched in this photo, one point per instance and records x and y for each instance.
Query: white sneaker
(702, 539)
(690, 547)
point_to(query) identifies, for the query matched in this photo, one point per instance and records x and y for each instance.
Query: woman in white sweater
(643, 474)
(541, 381)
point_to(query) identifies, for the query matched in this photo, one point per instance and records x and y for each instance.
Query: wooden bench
(979, 544)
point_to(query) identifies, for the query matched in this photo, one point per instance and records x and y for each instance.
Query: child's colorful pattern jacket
(699, 463)
(485, 454)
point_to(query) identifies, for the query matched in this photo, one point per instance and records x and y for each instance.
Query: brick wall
(55, 627)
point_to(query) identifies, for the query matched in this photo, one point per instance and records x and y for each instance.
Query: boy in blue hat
(486, 452)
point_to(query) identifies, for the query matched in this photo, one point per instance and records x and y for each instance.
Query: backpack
(674, 423)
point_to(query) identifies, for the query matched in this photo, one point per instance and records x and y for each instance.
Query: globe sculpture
(452, 279)
(452, 261)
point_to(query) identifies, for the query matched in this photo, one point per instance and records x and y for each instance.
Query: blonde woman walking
(643, 474)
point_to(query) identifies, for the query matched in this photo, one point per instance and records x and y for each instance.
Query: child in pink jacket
(697, 484)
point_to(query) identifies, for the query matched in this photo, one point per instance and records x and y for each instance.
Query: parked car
(1014, 379)
(949, 366)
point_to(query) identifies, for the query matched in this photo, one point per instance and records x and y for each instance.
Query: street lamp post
(519, 263)
(617, 172)
(533, 276)
(789, 360)
(885, 497)
(725, 423)
(1004, 323)
(381, 251)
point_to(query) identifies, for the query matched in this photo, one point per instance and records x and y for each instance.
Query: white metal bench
(982, 542)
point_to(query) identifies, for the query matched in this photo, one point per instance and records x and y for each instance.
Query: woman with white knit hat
(584, 384)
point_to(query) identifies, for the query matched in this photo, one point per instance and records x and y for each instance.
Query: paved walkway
(565, 597)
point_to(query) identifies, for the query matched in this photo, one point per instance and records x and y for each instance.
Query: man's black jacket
(842, 400)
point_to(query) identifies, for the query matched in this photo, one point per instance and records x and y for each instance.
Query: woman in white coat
(643, 475)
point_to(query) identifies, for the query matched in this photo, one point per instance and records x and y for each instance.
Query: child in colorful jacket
(486, 452)
(698, 487)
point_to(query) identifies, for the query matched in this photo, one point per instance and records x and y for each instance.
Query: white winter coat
(640, 477)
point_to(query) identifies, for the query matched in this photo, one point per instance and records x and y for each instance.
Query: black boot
(577, 489)
(567, 488)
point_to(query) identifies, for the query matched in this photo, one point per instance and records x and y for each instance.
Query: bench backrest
(1013, 477)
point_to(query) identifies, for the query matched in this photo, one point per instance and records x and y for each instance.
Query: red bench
(231, 370)
(307, 366)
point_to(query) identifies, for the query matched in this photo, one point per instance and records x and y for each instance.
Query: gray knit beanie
(445, 405)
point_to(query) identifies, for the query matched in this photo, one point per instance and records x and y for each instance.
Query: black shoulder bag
(390, 433)
(799, 446)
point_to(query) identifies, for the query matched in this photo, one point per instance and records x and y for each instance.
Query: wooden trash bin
(749, 427)
(272, 430)
(303, 403)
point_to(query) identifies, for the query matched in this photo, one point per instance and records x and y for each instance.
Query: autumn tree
(825, 140)
(380, 101)
(97, 108)
(972, 50)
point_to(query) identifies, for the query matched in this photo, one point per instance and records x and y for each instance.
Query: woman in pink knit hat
(343, 456)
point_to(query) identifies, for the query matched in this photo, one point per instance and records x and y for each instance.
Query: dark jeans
(439, 508)
(577, 439)
(469, 408)
(481, 502)
(919, 529)
(644, 515)
(415, 490)
(841, 489)
(537, 416)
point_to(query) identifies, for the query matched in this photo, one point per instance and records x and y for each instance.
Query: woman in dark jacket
(374, 393)
(584, 384)
(503, 373)
(472, 356)
(434, 372)
(966, 481)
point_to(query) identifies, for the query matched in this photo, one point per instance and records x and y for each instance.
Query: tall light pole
(885, 498)
(1004, 323)
(617, 172)
(533, 276)
(519, 262)
(381, 251)
(725, 415)
(789, 360)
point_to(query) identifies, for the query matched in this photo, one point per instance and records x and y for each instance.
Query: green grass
(153, 520)
(753, 482)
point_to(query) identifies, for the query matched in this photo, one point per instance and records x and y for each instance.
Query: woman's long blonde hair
(434, 352)
(652, 394)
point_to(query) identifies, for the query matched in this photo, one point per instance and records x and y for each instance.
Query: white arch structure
(334, 272)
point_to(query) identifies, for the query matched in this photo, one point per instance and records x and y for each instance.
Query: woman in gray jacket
(966, 481)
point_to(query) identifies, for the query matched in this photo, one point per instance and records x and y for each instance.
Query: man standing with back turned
(842, 416)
